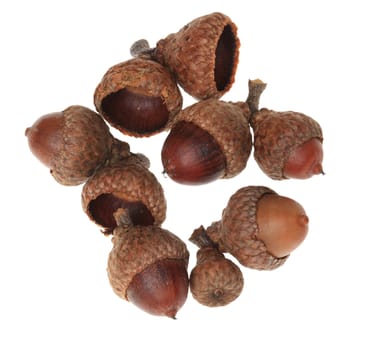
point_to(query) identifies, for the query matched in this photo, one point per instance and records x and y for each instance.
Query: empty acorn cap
(124, 184)
(139, 97)
(203, 55)
(277, 135)
(238, 230)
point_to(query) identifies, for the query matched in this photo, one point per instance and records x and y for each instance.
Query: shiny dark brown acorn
(203, 55)
(259, 227)
(72, 143)
(209, 140)
(125, 182)
(214, 280)
(286, 144)
(139, 97)
(148, 267)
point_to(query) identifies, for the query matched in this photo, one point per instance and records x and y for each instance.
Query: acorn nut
(286, 144)
(210, 139)
(214, 280)
(148, 267)
(139, 97)
(259, 227)
(72, 143)
(203, 55)
(126, 183)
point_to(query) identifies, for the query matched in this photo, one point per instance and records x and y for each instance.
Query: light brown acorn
(259, 227)
(72, 143)
(214, 280)
(125, 182)
(286, 144)
(209, 140)
(139, 97)
(148, 267)
(203, 55)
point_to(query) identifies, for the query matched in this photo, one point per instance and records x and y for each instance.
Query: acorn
(147, 266)
(214, 280)
(286, 144)
(139, 97)
(72, 143)
(124, 183)
(259, 227)
(203, 55)
(209, 140)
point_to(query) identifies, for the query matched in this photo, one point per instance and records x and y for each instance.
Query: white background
(327, 59)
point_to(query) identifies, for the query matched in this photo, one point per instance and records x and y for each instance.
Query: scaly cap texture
(277, 134)
(86, 144)
(237, 231)
(137, 247)
(191, 53)
(130, 180)
(228, 124)
(143, 76)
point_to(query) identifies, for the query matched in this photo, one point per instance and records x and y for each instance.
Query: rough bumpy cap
(215, 280)
(86, 143)
(277, 134)
(137, 247)
(144, 78)
(203, 55)
(128, 180)
(237, 231)
(228, 124)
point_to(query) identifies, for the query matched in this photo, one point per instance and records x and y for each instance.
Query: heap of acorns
(208, 140)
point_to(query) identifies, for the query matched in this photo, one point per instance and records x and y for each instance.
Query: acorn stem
(141, 47)
(256, 88)
(200, 238)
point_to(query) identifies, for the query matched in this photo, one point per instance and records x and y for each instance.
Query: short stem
(200, 238)
(140, 48)
(256, 88)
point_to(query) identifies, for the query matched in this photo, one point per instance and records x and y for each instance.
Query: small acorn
(139, 97)
(214, 280)
(286, 144)
(259, 227)
(203, 55)
(124, 183)
(209, 140)
(148, 267)
(72, 143)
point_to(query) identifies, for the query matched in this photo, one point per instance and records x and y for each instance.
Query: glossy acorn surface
(139, 97)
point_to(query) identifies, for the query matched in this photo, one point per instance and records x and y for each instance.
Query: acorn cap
(144, 77)
(228, 124)
(85, 145)
(277, 135)
(215, 280)
(137, 247)
(127, 180)
(237, 231)
(203, 55)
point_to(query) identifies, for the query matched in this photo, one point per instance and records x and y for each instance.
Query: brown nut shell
(72, 143)
(237, 232)
(124, 182)
(203, 55)
(277, 135)
(137, 247)
(228, 124)
(147, 97)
